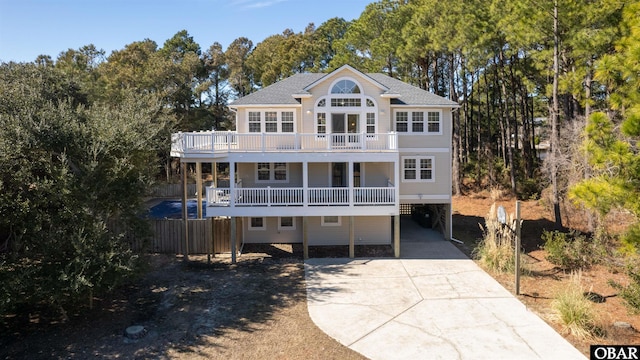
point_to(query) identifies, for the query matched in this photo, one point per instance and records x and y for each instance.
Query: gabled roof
(351, 69)
(287, 91)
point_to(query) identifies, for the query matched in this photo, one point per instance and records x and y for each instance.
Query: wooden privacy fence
(206, 236)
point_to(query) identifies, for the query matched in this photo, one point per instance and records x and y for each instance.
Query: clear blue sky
(29, 28)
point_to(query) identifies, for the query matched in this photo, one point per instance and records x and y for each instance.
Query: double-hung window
(402, 121)
(271, 121)
(419, 122)
(433, 122)
(287, 121)
(321, 123)
(371, 124)
(417, 169)
(255, 122)
(272, 172)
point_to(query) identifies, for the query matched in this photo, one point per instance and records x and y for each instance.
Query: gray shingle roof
(409, 94)
(280, 92)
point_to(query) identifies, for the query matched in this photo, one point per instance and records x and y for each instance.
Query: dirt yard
(544, 280)
(257, 308)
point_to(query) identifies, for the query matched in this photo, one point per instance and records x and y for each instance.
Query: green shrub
(572, 251)
(530, 189)
(575, 312)
(630, 293)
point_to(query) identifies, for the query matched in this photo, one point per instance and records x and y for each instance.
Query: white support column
(352, 252)
(305, 183)
(305, 237)
(233, 237)
(396, 181)
(232, 184)
(185, 217)
(350, 182)
(199, 188)
(448, 229)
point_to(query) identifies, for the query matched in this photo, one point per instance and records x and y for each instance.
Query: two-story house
(329, 159)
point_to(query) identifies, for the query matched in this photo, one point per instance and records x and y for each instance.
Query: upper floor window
(287, 121)
(255, 123)
(417, 168)
(271, 121)
(419, 122)
(346, 102)
(345, 87)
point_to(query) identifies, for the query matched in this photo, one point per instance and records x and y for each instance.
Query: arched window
(346, 109)
(345, 86)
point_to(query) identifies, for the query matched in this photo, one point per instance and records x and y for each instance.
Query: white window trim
(261, 228)
(417, 169)
(286, 228)
(361, 110)
(272, 174)
(410, 121)
(263, 123)
(323, 223)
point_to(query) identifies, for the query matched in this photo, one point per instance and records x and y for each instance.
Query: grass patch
(575, 312)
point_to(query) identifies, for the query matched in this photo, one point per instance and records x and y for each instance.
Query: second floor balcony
(222, 142)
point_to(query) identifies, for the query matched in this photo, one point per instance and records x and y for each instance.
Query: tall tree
(239, 74)
(69, 168)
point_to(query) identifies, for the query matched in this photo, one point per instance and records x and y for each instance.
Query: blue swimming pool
(172, 209)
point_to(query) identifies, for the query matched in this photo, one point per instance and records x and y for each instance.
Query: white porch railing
(230, 141)
(295, 196)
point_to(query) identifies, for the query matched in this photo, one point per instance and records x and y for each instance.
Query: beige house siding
(368, 230)
(442, 177)
(271, 234)
(247, 173)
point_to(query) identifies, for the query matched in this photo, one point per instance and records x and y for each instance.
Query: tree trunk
(456, 130)
(554, 122)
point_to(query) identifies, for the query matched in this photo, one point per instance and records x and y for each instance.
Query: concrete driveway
(433, 303)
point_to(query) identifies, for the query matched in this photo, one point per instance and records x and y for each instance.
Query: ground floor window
(331, 221)
(287, 223)
(257, 223)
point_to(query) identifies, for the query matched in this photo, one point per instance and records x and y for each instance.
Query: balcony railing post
(268, 195)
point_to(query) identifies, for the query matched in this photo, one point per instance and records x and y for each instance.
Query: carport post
(185, 215)
(199, 188)
(352, 252)
(396, 235)
(305, 237)
(232, 234)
